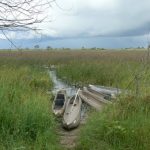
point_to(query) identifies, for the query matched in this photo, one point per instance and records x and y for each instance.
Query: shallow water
(59, 84)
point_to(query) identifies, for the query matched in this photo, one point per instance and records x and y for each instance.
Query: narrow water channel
(58, 84)
(68, 138)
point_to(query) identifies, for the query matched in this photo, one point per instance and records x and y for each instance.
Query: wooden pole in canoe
(75, 98)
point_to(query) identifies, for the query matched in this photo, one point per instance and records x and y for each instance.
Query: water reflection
(59, 84)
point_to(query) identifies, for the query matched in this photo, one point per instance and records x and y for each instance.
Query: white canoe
(96, 95)
(92, 100)
(112, 92)
(72, 114)
(59, 102)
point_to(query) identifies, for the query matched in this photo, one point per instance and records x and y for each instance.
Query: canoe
(96, 95)
(59, 102)
(91, 100)
(72, 114)
(111, 92)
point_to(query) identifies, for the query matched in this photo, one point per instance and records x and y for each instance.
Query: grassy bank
(25, 118)
(125, 125)
(127, 70)
(102, 73)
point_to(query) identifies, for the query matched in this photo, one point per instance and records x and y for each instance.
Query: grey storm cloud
(101, 18)
(101, 23)
(91, 18)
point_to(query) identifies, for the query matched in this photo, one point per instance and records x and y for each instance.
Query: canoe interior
(70, 104)
(59, 102)
(104, 95)
(73, 109)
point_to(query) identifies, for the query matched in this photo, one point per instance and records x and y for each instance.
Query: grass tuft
(25, 117)
(122, 125)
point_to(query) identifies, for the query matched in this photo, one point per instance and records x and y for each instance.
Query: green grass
(26, 121)
(101, 73)
(125, 125)
(114, 73)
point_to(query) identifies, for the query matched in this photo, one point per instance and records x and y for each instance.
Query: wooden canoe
(87, 98)
(72, 114)
(101, 96)
(110, 92)
(59, 102)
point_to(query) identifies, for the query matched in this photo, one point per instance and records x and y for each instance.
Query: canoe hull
(59, 111)
(72, 114)
(73, 124)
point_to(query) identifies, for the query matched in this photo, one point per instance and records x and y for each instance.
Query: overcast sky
(90, 23)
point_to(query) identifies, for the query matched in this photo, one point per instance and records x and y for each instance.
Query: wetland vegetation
(26, 120)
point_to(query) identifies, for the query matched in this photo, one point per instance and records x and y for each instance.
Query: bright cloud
(88, 18)
(98, 18)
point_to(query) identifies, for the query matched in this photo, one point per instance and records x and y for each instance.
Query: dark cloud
(100, 23)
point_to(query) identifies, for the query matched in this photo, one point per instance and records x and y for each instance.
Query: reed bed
(127, 70)
(25, 117)
(125, 125)
(26, 121)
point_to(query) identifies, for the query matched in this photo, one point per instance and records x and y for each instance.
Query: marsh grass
(26, 121)
(123, 125)
(126, 75)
